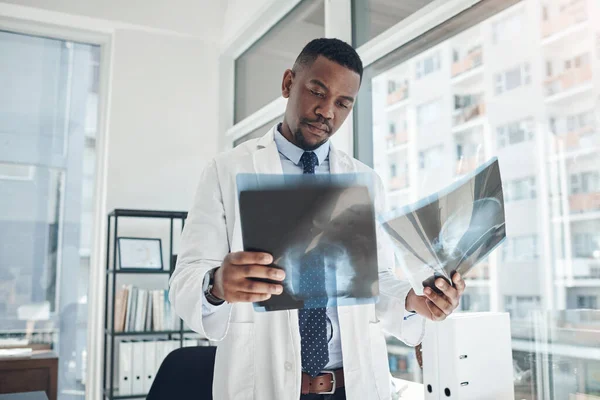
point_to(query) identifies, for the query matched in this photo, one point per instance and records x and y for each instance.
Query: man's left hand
(436, 306)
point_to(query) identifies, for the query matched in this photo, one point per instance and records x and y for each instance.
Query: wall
(239, 14)
(162, 120)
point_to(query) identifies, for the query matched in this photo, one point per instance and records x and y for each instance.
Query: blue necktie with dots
(312, 321)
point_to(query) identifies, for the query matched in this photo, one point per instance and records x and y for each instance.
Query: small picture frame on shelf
(140, 254)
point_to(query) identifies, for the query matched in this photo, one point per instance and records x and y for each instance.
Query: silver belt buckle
(332, 381)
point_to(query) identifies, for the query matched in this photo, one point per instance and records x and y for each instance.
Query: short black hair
(335, 50)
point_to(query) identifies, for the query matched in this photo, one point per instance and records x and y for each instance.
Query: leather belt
(325, 383)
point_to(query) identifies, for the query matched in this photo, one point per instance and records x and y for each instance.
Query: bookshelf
(112, 336)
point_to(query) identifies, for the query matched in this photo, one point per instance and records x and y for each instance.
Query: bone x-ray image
(320, 231)
(452, 230)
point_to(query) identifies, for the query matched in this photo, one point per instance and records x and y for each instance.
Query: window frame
(78, 29)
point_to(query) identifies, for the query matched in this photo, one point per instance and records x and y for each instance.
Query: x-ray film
(320, 229)
(450, 231)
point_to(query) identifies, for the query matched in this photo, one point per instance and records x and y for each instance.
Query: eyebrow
(321, 84)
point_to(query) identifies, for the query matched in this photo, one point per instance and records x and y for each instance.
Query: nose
(325, 110)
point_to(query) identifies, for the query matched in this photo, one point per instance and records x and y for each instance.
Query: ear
(286, 84)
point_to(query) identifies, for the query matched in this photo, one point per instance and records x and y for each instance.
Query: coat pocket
(234, 367)
(379, 361)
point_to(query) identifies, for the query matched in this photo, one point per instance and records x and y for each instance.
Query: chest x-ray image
(321, 231)
(450, 231)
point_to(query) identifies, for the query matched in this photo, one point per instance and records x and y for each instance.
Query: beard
(303, 144)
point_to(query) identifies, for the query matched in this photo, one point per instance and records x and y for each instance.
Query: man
(296, 354)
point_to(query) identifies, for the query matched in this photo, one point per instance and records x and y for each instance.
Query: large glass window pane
(373, 17)
(259, 71)
(48, 114)
(494, 95)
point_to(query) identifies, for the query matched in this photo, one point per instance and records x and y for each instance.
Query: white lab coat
(259, 356)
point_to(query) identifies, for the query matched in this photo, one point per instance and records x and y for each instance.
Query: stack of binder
(139, 361)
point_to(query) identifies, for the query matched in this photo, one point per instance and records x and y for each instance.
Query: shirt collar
(293, 152)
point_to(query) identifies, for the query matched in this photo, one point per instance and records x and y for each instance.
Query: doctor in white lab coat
(259, 356)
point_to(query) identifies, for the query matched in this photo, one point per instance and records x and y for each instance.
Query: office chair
(186, 373)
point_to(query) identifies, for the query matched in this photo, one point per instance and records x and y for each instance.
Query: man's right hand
(233, 279)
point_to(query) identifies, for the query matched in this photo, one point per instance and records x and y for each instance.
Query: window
(586, 244)
(580, 121)
(392, 128)
(373, 17)
(429, 113)
(520, 248)
(393, 170)
(391, 87)
(430, 158)
(590, 302)
(585, 182)
(522, 306)
(520, 189)
(548, 69)
(539, 219)
(47, 175)
(465, 302)
(514, 133)
(259, 70)
(512, 79)
(467, 149)
(507, 28)
(468, 100)
(428, 65)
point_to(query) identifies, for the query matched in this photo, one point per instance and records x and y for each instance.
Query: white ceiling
(199, 18)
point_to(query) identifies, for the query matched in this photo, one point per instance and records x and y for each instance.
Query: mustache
(321, 123)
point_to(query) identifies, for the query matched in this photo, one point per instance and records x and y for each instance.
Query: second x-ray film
(320, 230)
(451, 230)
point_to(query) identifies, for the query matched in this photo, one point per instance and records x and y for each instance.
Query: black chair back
(186, 373)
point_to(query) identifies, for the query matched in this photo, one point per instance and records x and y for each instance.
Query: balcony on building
(396, 140)
(584, 202)
(575, 134)
(479, 275)
(569, 13)
(576, 74)
(584, 187)
(397, 92)
(467, 109)
(398, 182)
(578, 269)
(469, 150)
(469, 62)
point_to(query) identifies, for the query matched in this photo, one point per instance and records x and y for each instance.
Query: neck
(285, 131)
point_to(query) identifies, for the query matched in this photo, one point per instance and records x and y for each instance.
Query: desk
(29, 374)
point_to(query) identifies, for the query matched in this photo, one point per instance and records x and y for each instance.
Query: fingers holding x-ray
(449, 231)
(322, 233)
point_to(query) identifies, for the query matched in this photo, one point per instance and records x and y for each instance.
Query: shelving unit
(112, 272)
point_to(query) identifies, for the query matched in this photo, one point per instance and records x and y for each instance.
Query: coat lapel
(266, 158)
(340, 163)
